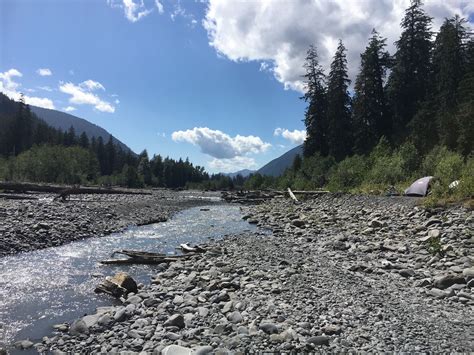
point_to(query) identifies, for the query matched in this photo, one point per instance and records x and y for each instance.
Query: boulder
(176, 320)
(444, 281)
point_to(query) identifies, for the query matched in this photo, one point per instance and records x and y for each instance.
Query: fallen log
(17, 197)
(142, 257)
(292, 195)
(65, 190)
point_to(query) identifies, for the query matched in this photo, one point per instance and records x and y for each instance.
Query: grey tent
(419, 187)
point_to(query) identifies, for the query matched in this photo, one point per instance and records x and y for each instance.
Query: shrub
(348, 173)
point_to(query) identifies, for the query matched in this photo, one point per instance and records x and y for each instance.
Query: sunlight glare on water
(45, 287)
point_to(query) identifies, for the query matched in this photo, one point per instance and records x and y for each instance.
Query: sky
(218, 81)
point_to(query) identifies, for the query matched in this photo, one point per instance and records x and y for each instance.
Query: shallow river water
(50, 286)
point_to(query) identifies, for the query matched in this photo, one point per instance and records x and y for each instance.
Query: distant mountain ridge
(243, 173)
(278, 166)
(63, 121)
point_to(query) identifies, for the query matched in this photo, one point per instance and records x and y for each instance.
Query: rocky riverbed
(339, 273)
(27, 225)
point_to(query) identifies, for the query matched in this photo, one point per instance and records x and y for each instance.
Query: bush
(348, 173)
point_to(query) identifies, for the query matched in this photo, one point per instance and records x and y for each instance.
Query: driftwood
(118, 285)
(17, 197)
(261, 196)
(188, 249)
(65, 191)
(292, 195)
(141, 257)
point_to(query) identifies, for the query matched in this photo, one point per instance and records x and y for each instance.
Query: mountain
(278, 166)
(64, 121)
(243, 173)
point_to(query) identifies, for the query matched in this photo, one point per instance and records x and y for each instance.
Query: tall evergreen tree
(465, 114)
(339, 136)
(369, 104)
(84, 140)
(315, 114)
(110, 155)
(448, 69)
(409, 80)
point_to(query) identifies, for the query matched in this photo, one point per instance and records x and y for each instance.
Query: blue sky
(209, 80)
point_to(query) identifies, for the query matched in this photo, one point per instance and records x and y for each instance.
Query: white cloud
(219, 144)
(82, 95)
(45, 88)
(133, 11)
(92, 85)
(40, 102)
(280, 32)
(44, 72)
(159, 6)
(69, 108)
(232, 165)
(11, 88)
(295, 136)
(180, 11)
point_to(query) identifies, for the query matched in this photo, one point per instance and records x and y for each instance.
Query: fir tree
(315, 114)
(448, 70)
(369, 106)
(409, 80)
(339, 136)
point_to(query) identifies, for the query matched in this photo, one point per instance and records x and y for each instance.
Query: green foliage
(434, 246)
(71, 165)
(348, 173)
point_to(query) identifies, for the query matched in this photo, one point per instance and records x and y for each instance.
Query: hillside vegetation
(411, 114)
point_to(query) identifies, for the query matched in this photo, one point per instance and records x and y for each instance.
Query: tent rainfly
(419, 187)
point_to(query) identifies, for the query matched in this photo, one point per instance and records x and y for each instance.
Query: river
(45, 287)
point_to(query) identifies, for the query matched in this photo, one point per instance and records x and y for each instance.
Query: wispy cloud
(44, 72)
(82, 94)
(133, 11)
(69, 108)
(159, 6)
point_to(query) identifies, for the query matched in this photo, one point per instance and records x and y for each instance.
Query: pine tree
(465, 114)
(84, 140)
(409, 80)
(448, 69)
(315, 115)
(110, 155)
(339, 136)
(369, 104)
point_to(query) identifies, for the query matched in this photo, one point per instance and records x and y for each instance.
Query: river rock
(269, 328)
(23, 344)
(176, 320)
(176, 350)
(318, 340)
(78, 327)
(468, 274)
(444, 281)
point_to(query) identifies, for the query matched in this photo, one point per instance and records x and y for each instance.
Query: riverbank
(27, 225)
(339, 273)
